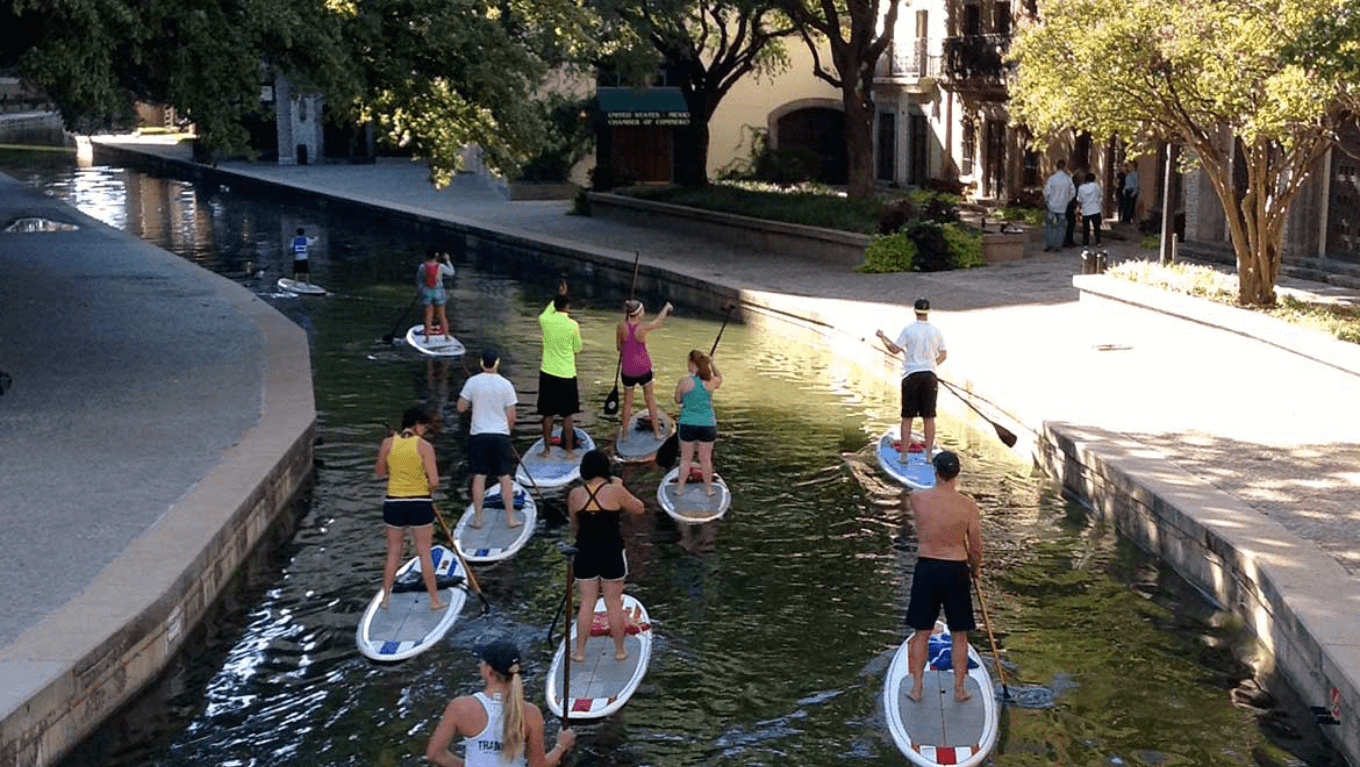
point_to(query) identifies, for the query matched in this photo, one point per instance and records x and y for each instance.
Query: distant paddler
(430, 282)
(557, 391)
(631, 339)
(949, 543)
(698, 424)
(921, 345)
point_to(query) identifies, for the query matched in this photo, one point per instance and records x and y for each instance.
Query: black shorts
(936, 583)
(603, 560)
(688, 433)
(300, 267)
(919, 392)
(641, 380)
(489, 455)
(408, 512)
(557, 396)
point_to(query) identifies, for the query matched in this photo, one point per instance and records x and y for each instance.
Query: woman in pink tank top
(631, 339)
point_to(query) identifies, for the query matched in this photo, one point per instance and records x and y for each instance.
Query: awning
(625, 107)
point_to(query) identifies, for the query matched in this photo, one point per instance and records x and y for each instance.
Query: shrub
(1028, 215)
(776, 166)
(965, 246)
(889, 253)
(567, 137)
(896, 215)
(946, 185)
(932, 249)
(1032, 197)
(937, 207)
(580, 204)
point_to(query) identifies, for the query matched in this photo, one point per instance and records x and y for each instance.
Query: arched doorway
(815, 132)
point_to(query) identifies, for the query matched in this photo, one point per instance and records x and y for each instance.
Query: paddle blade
(669, 452)
(611, 403)
(1006, 436)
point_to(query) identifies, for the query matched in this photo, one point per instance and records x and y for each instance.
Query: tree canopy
(1217, 76)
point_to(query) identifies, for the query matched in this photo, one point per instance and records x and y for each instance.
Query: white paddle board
(695, 506)
(301, 288)
(408, 627)
(938, 729)
(556, 470)
(637, 442)
(600, 685)
(494, 540)
(438, 345)
(917, 473)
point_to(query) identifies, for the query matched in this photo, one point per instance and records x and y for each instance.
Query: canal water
(775, 625)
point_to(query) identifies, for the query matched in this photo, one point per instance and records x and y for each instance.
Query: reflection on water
(774, 626)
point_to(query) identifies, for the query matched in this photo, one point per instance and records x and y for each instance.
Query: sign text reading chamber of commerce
(627, 119)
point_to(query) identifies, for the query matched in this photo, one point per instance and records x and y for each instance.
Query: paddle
(611, 402)
(387, 339)
(669, 452)
(471, 576)
(1002, 433)
(987, 624)
(570, 553)
(520, 462)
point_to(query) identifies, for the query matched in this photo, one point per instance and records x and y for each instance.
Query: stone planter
(1004, 247)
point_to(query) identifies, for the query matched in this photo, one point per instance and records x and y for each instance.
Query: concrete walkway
(1253, 444)
(140, 464)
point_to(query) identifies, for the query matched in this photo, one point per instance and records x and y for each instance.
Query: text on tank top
(598, 524)
(406, 469)
(696, 407)
(636, 360)
(484, 748)
(299, 247)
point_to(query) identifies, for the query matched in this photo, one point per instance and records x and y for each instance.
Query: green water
(774, 626)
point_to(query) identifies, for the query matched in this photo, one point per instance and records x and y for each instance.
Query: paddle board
(435, 345)
(494, 541)
(601, 685)
(938, 729)
(408, 627)
(557, 470)
(301, 288)
(637, 442)
(917, 473)
(695, 506)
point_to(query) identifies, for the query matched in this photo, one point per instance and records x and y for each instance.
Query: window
(1002, 20)
(969, 146)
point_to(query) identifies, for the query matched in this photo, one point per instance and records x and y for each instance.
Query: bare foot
(511, 522)
(476, 523)
(621, 654)
(658, 436)
(386, 600)
(578, 657)
(438, 605)
(679, 489)
(709, 491)
(903, 457)
(570, 455)
(962, 695)
(546, 453)
(915, 694)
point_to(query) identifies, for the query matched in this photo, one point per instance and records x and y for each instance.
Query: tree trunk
(859, 142)
(691, 151)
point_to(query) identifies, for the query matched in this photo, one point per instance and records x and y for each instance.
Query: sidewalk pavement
(1276, 431)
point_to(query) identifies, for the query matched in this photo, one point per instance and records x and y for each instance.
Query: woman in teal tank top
(698, 424)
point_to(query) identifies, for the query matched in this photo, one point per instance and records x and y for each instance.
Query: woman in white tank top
(499, 728)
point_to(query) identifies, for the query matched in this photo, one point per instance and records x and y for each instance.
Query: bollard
(1102, 260)
(1087, 262)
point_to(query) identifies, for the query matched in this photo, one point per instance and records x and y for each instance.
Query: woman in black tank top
(596, 509)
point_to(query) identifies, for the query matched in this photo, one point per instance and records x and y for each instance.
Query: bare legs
(705, 466)
(626, 413)
(613, 607)
(568, 436)
(507, 495)
(918, 647)
(905, 440)
(429, 320)
(424, 538)
(928, 428)
(651, 409)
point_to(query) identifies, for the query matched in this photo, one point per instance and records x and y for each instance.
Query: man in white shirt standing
(1088, 197)
(1058, 191)
(921, 345)
(492, 400)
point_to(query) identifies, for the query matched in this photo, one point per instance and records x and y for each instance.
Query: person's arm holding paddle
(627, 501)
(715, 378)
(654, 324)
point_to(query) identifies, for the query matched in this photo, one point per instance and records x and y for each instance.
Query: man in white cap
(921, 345)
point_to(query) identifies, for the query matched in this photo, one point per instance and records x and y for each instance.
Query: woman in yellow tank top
(407, 461)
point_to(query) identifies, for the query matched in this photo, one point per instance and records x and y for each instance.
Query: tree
(858, 31)
(1216, 76)
(707, 45)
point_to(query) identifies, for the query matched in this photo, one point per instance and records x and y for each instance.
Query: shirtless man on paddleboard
(949, 538)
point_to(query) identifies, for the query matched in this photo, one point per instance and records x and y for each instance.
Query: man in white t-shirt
(1058, 191)
(921, 345)
(492, 400)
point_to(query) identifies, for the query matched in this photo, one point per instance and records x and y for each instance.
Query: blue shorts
(408, 512)
(433, 296)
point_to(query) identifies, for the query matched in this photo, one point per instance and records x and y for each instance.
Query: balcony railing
(911, 59)
(976, 57)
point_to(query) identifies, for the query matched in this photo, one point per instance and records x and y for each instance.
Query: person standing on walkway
(1058, 191)
(1088, 197)
(491, 398)
(698, 424)
(430, 282)
(635, 363)
(948, 543)
(557, 391)
(921, 345)
(301, 246)
(596, 510)
(498, 726)
(1128, 198)
(407, 461)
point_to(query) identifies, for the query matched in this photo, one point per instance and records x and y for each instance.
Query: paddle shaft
(1002, 433)
(453, 544)
(669, 450)
(987, 624)
(613, 398)
(568, 648)
(393, 332)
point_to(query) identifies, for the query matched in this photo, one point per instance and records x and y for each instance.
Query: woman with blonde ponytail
(499, 728)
